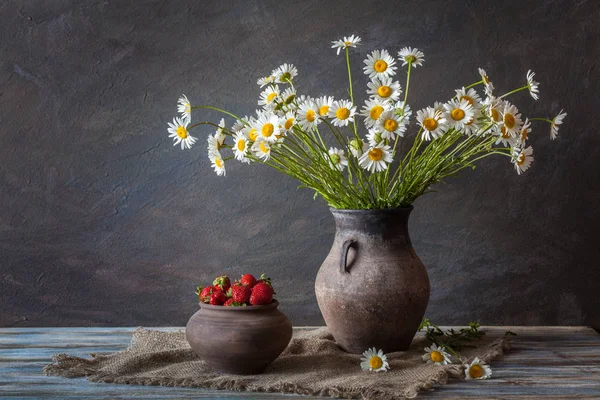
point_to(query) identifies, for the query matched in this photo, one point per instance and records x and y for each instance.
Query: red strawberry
(248, 280)
(228, 302)
(222, 282)
(241, 293)
(217, 298)
(261, 294)
(265, 279)
(206, 293)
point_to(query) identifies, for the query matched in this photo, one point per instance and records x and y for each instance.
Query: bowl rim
(274, 304)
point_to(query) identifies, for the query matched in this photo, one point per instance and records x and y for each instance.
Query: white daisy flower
(438, 106)
(288, 121)
(505, 137)
(288, 95)
(372, 110)
(239, 125)
(477, 370)
(380, 64)
(532, 85)
(347, 42)
(410, 55)
(184, 107)
(357, 147)
(215, 142)
(390, 124)
(337, 159)
(342, 112)
(285, 73)
(324, 104)
(266, 80)
(384, 89)
(308, 115)
(178, 131)
(525, 130)
(376, 158)
(470, 95)
(375, 137)
(492, 107)
(433, 123)
(436, 355)
(217, 163)
(472, 127)
(511, 119)
(374, 360)
(489, 86)
(400, 106)
(458, 113)
(261, 149)
(555, 123)
(241, 146)
(268, 127)
(522, 159)
(268, 96)
(250, 131)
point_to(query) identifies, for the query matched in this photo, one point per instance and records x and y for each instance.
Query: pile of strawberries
(243, 292)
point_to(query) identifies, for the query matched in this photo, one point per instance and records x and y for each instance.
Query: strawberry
(241, 293)
(265, 279)
(228, 303)
(248, 280)
(217, 298)
(206, 293)
(261, 294)
(222, 282)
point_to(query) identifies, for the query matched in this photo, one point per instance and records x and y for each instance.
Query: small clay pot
(238, 340)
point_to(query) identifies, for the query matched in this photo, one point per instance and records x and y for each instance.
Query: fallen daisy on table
(436, 355)
(477, 370)
(374, 360)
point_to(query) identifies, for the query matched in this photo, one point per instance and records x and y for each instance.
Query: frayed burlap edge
(70, 367)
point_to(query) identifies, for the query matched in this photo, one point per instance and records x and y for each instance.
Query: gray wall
(103, 222)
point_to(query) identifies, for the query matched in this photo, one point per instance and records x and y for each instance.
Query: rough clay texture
(103, 222)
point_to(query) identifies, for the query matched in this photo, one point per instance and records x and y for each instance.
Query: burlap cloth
(311, 365)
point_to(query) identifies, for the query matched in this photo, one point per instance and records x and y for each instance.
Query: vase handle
(344, 259)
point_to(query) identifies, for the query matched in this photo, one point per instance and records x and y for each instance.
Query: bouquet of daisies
(350, 156)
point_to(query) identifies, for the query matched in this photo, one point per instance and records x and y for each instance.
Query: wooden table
(545, 362)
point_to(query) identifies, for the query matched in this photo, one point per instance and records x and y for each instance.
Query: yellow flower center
(241, 144)
(509, 120)
(524, 134)
(469, 99)
(380, 66)
(376, 362)
(188, 108)
(267, 129)
(376, 112)
(263, 147)
(310, 115)
(390, 125)
(288, 124)
(271, 96)
(436, 356)
(486, 79)
(218, 162)
(505, 134)
(495, 114)
(521, 159)
(384, 91)
(342, 113)
(182, 132)
(253, 134)
(457, 114)
(476, 371)
(376, 154)
(430, 124)
(347, 43)
(323, 110)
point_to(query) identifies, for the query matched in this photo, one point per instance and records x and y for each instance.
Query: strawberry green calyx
(199, 290)
(222, 282)
(265, 279)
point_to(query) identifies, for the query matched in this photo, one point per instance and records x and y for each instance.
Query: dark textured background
(103, 222)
